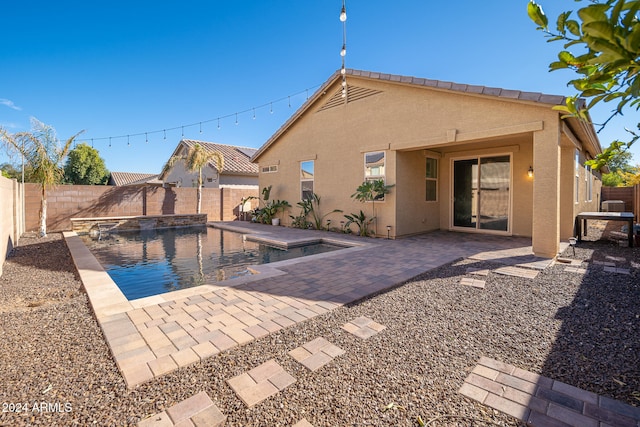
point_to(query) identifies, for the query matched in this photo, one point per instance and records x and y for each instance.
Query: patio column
(546, 190)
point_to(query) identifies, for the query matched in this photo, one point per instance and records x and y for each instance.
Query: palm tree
(196, 158)
(42, 152)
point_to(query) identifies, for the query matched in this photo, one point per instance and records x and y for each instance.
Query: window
(431, 175)
(306, 179)
(270, 169)
(577, 179)
(588, 177)
(374, 166)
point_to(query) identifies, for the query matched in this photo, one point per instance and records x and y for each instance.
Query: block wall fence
(89, 201)
(629, 195)
(11, 216)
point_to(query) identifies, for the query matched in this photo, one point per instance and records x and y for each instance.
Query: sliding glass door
(481, 193)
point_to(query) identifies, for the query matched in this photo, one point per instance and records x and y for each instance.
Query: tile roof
(132, 178)
(416, 81)
(237, 160)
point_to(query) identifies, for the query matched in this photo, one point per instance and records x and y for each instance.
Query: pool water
(153, 262)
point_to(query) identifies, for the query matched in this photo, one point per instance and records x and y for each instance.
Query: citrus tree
(607, 35)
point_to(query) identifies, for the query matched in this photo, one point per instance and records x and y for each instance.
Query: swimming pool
(153, 262)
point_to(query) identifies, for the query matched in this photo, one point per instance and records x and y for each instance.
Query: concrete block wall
(88, 201)
(11, 226)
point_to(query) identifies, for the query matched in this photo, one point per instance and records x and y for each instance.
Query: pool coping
(107, 299)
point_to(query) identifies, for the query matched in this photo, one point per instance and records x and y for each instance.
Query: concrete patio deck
(156, 335)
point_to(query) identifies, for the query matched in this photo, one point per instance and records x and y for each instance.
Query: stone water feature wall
(135, 223)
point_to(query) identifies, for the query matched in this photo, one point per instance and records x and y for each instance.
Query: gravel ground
(580, 329)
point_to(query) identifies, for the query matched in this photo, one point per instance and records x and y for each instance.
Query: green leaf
(595, 12)
(536, 14)
(561, 22)
(567, 57)
(557, 65)
(632, 41)
(599, 29)
(573, 27)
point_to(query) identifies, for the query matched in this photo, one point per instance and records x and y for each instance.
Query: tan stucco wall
(405, 120)
(186, 178)
(10, 217)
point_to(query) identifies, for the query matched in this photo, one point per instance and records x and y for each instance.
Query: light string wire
(201, 122)
(343, 51)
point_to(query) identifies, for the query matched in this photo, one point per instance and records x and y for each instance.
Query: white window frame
(577, 179)
(270, 169)
(431, 179)
(303, 179)
(588, 178)
(383, 175)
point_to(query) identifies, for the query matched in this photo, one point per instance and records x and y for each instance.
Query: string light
(217, 119)
(128, 143)
(343, 51)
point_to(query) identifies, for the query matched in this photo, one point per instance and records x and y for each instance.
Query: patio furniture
(581, 222)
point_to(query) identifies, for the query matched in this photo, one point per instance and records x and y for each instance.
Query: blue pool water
(153, 262)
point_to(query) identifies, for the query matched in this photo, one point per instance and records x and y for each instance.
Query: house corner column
(546, 191)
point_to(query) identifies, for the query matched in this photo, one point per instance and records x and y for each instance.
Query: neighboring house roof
(356, 93)
(131, 178)
(237, 160)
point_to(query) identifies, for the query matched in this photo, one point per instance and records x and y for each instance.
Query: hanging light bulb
(343, 13)
(343, 51)
(343, 70)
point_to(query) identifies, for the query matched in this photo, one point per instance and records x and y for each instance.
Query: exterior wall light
(530, 172)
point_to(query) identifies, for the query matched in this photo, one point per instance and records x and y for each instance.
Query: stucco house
(461, 157)
(238, 170)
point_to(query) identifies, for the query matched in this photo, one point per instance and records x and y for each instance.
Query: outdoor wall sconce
(530, 172)
(388, 232)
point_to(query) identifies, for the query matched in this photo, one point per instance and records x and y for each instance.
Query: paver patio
(153, 336)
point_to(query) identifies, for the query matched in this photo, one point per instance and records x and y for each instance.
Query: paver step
(542, 402)
(517, 272)
(198, 410)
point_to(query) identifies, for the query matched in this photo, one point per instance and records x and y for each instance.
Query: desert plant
(361, 221)
(370, 191)
(300, 221)
(270, 208)
(311, 206)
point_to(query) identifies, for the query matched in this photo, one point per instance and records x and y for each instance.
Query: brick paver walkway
(156, 335)
(363, 327)
(261, 382)
(198, 411)
(542, 402)
(315, 354)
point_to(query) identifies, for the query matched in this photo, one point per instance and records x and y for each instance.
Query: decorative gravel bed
(580, 329)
